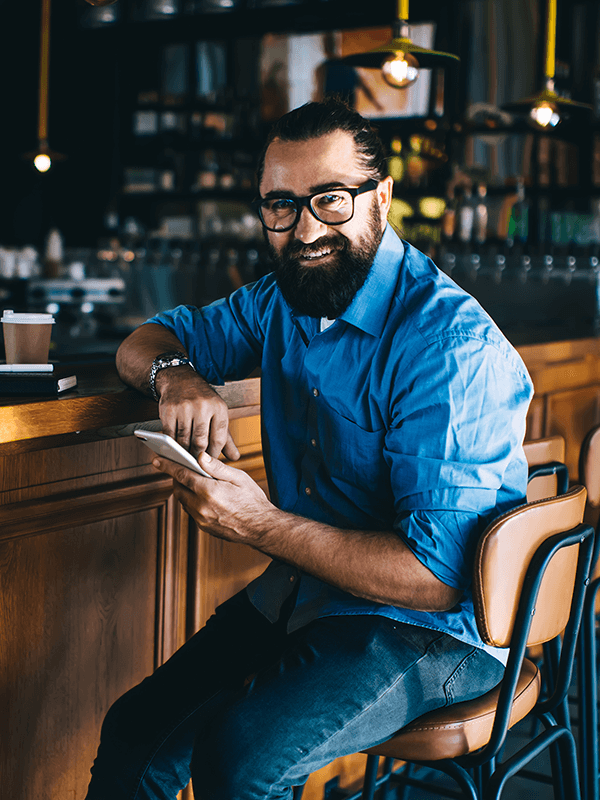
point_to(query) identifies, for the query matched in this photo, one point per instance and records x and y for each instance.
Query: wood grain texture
(77, 629)
(46, 515)
(566, 379)
(93, 581)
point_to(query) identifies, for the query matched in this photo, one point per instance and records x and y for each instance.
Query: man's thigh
(148, 734)
(343, 684)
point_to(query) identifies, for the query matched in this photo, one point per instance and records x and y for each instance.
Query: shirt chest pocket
(354, 456)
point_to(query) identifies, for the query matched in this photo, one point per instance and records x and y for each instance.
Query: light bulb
(400, 69)
(42, 162)
(544, 115)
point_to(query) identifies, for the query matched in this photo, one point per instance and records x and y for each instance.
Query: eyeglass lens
(332, 208)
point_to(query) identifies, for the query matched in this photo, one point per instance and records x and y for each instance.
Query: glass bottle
(481, 214)
(466, 216)
(519, 221)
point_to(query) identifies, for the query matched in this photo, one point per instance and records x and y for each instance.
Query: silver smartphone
(167, 447)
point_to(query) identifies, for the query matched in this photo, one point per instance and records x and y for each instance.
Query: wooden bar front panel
(92, 582)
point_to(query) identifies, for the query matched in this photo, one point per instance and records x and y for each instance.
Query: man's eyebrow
(321, 187)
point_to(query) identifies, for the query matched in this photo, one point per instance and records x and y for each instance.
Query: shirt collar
(368, 310)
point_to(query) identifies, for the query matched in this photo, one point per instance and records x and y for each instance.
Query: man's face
(319, 267)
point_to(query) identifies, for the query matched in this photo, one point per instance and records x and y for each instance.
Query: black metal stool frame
(553, 735)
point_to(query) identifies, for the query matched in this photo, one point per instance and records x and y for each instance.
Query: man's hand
(190, 410)
(232, 507)
(193, 414)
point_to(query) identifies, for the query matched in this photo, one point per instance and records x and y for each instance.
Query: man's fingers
(199, 437)
(219, 435)
(199, 426)
(183, 434)
(230, 450)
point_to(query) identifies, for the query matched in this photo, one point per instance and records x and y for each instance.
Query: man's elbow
(437, 597)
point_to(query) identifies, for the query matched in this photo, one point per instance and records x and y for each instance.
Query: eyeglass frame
(302, 202)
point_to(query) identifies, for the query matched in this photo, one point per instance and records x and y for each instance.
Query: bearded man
(393, 415)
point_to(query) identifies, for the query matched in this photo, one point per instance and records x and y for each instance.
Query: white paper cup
(27, 337)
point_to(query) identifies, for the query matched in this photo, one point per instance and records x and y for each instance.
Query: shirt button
(313, 442)
(307, 490)
(292, 578)
(316, 392)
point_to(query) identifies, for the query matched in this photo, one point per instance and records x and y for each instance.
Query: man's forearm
(376, 565)
(136, 354)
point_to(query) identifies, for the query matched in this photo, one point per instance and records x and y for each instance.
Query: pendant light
(43, 157)
(547, 108)
(400, 59)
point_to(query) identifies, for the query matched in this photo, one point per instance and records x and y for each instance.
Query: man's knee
(237, 761)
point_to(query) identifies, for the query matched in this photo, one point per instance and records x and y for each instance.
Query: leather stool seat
(461, 728)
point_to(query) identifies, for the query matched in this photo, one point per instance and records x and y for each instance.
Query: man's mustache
(297, 248)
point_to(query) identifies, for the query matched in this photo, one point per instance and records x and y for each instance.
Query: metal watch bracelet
(163, 361)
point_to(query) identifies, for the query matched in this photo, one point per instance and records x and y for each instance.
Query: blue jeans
(336, 686)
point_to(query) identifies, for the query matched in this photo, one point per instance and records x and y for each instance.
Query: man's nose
(309, 228)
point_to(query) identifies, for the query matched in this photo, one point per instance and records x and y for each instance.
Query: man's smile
(316, 255)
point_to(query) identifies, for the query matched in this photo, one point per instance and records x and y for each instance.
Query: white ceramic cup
(27, 337)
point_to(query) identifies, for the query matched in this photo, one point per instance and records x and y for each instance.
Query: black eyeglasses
(333, 207)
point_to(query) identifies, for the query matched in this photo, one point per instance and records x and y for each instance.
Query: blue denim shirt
(407, 414)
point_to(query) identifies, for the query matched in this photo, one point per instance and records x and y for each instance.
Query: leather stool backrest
(589, 475)
(503, 556)
(543, 451)
(589, 466)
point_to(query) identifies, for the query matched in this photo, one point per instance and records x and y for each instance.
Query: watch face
(172, 360)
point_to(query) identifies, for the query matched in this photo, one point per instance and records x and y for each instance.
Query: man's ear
(384, 197)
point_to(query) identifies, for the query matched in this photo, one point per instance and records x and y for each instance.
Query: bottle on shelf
(481, 215)
(53, 257)
(466, 217)
(520, 215)
(449, 217)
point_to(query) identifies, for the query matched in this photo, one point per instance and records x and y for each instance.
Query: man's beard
(327, 290)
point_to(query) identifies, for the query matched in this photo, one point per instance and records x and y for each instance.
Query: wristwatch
(163, 361)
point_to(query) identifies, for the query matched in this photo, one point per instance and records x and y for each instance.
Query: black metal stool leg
(588, 697)
(370, 783)
(402, 780)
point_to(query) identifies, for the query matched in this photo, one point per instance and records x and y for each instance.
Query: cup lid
(27, 318)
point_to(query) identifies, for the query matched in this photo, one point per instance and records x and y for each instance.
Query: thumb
(217, 469)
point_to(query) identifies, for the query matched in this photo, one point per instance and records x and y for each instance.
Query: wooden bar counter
(102, 576)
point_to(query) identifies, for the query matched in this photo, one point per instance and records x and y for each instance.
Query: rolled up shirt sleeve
(456, 425)
(225, 339)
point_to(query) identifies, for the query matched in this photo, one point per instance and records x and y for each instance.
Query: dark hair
(327, 116)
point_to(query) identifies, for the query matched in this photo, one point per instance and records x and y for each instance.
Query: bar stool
(524, 595)
(589, 472)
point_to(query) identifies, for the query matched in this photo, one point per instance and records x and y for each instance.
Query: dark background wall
(73, 194)
(86, 100)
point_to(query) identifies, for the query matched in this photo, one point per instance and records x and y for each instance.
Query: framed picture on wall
(373, 97)
(298, 68)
